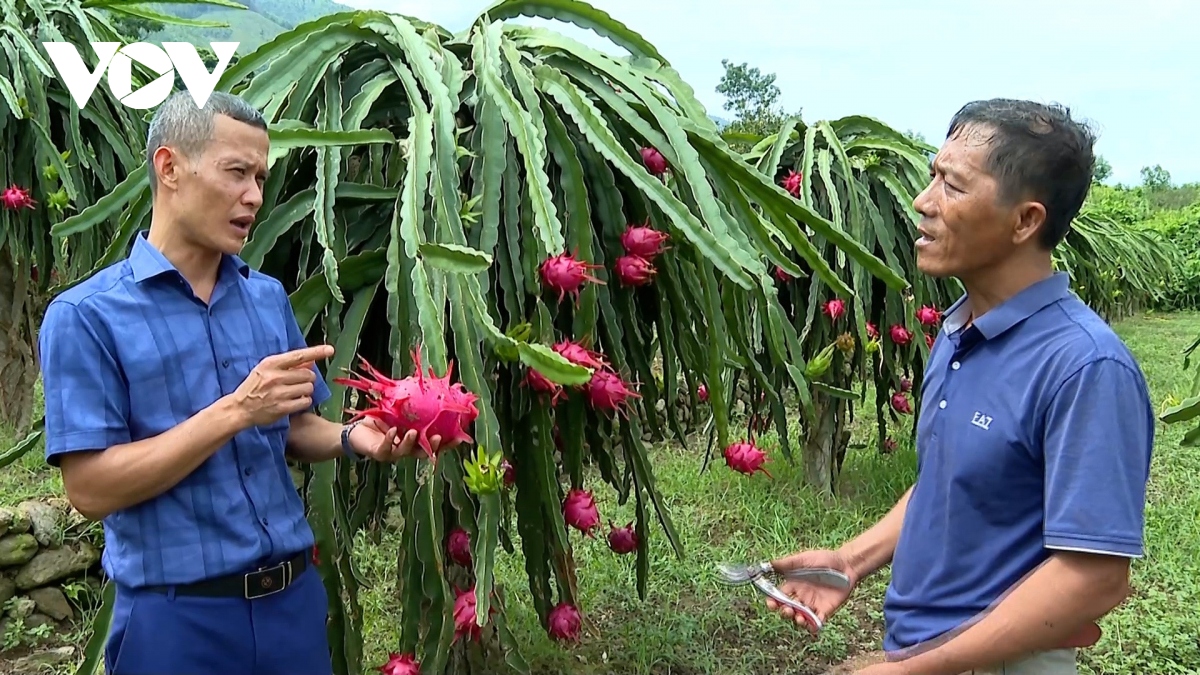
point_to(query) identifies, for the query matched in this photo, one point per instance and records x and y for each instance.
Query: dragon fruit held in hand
(565, 274)
(622, 539)
(400, 664)
(459, 547)
(564, 622)
(746, 458)
(633, 270)
(606, 391)
(422, 401)
(15, 197)
(643, 241)
(580, 512)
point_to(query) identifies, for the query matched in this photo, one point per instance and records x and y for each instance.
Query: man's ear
(168, 166)
(1029, 221)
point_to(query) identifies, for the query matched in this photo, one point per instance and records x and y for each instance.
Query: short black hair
(1036, 152)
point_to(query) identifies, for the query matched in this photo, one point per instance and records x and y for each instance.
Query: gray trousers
(1056, 662)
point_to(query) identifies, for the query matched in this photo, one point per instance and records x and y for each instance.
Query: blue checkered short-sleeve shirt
(130, 353)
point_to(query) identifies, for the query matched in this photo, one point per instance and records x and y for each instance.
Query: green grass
(691, 624)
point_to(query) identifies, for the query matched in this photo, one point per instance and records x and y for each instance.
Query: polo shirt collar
(1012, 311)
(147, 262)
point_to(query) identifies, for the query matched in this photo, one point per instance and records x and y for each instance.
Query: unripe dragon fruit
(633, 270)
(576, 353)
(655, 163)
(835, 308)
(400, 664)
(791, 183)
(606, 391)
(564, 622)
(15, 197)
(622, 540)
(643, 241)
(424, 402)
(900, 403)
(459, 547)
(464, 615)
(566, 274)
(542, 385)
(746, 458)
(580, 512)
(900, 334)
(928, 316)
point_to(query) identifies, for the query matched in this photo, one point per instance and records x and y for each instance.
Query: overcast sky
(1130, 68)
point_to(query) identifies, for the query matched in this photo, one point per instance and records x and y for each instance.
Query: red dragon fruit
(702, 392)
(510, 473)
(905, 384)
(576, 353)
(889, 445)
(900, 334)
(835, 308)
(459, 547)
(424, 402)
(929, 340)
(564, 622)
(782, 275)
(655, 163)
(15, 197)
(542, 385)
(622, 539)
(580, 512)
(633, 270)
(791, 183)
(566, 274)
(901, 404)
(643, 241)
(464, 615)
(928, 316)
(607, 391)
(400, 664)
(746, 458)
(872, 331)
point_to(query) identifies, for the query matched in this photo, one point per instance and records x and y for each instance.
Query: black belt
(259, 583)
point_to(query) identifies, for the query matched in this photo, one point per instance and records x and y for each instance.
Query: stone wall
(45, 560)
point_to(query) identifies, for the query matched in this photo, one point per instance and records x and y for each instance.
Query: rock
(54, 564)
(46, 659)
(20, 522)
(17, 549)
(660, 405)
(22, 607)
(7, 590)
(6, 520)
(47, 522)
(62, 504)
(37, 620)
(51, 602)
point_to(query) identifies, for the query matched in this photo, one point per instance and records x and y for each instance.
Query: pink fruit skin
(655, 163)
(872, 331)
(564, 622)
(702, 392)
(622, 540)
(540, 384)
(900, 334)
(643, 242)
(510, 473)
(791, 183)
(782, 275)
(746, 458)
(928, 316)
(464, 615)
(835, 309)
(580, 512)
(400, 664)
(905, 384)
(632, 270)
(565, 274)
(900, 403)
(459, 547)
(607, 391)
(579, 355)
(15, 197)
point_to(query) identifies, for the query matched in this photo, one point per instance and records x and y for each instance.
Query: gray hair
(178, 122)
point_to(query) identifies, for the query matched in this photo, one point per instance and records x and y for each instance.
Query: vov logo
(117, 61)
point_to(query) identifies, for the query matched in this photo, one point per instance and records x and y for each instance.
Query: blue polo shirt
(1035, 435)
(130, 353)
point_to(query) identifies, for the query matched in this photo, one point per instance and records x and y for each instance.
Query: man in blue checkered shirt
(177, 383)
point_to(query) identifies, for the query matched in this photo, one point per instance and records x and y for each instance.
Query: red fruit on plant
(702, 392)
(622, 539)
(900, 403)
(510, 473)
(464, 615)
(633, 270)
(540, 384)
(579, 355)
(15, 197)
(580, 512)
(928, 316)
(889, 445)
(782, 274)
(459, 547)
(566, 274)
(643, 241)
(431, 405)
(905, 384)
(746, 458)
(655, 163)
(400, 664)
(835, 308)
(900, 334)
(929, 340)
(564, 622)
(872, 331)
(792, 181)
(606, 391)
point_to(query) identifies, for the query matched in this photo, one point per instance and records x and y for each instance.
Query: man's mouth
(925, 238)
(243, 223)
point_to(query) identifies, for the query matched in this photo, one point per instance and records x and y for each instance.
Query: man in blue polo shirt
(1036, 425)
(177, 382)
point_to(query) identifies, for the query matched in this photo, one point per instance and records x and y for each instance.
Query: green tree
(1102, 171)
(753, 97)
(1155, 178)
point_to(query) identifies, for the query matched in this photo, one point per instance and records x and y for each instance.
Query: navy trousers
(155, 633)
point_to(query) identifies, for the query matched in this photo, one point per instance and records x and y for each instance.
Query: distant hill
(262, 21)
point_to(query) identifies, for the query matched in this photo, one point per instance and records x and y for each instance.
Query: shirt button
(264, 521)
(942, 405)
(225, 363)
(955, 365)
(248, 471)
